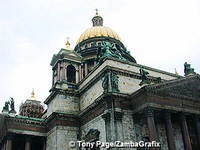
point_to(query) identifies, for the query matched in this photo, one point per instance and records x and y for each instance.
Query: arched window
(71, 74)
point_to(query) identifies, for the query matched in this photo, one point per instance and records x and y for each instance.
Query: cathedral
(101, 98)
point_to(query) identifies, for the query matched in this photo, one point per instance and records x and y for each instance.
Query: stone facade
(100, 93)
(129, 131)
(60, 136)
(97, 123)
(90, 95)
(64, 104)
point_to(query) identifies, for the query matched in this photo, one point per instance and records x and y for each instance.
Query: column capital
(149, 112)
(10, 137)
(118, 115)
(28, 138)
(106, 116)
(167, 115)
(197, 117)
(182, 116)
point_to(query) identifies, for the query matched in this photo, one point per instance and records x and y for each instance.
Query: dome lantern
(97, 20)
(98, 30)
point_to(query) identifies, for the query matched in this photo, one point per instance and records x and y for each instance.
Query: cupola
(31, 107)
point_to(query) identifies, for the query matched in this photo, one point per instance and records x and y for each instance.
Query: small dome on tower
(31, 107)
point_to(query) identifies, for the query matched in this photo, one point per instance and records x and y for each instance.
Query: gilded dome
(91, 44)
(98, 31)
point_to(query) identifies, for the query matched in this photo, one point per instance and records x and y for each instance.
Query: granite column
(28, 143)
(169, 131)
(197, 123)
(151, 126)
(9, 143)
(185, 133)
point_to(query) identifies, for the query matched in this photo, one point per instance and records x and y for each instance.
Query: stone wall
(51, 143)
(130, 67)
(136, 69)
(60, 136)
(91, 94)
(141, 129)
(63, 103)
(128, 127)
(129, 133)
(97, 123)
(128, 85)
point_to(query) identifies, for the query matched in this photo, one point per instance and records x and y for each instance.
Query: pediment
(186, 87)
(72, 54)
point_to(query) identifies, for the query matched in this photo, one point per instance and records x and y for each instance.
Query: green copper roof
(29, 118)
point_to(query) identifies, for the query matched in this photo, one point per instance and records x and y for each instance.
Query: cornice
(101, 38)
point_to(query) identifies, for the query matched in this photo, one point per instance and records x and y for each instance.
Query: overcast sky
(162, 34)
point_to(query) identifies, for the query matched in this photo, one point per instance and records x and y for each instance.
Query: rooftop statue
(114, 82)
(144, 78)
(6, 107)
(187, 69)
(110, 82)
(9, 106)
(105, 82)
(12, 105)
(109, 50)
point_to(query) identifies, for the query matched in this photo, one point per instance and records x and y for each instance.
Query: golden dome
(98, 31)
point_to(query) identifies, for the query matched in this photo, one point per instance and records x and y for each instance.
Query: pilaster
(58, 74)
(86, 69)
(77, 76)
(79, 71)
(119, 127)
(106, 117)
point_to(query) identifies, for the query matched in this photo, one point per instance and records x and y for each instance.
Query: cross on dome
(67, 43)
(96, 11)
(32, 95)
